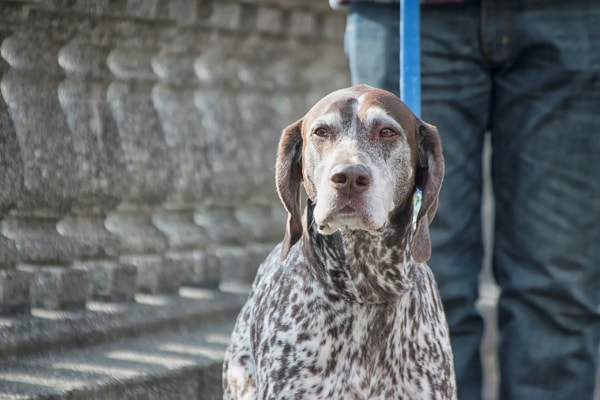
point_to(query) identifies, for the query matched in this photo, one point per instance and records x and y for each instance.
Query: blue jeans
(372, 44)
(528, 72)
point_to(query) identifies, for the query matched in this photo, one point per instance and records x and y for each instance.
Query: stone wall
(137, 140)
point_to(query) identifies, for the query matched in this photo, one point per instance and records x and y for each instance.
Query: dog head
(360, 153)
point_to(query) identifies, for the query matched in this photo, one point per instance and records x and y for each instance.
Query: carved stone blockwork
(14, 287)
(98, 150)
(138, 140)
(50, 178)
(187, 142)
(147, 158)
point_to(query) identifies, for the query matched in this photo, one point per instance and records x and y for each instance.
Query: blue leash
(410, 72)
(410, 56)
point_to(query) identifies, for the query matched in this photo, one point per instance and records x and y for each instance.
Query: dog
(345, 307)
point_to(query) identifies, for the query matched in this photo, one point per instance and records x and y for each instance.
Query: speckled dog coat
(345, 307)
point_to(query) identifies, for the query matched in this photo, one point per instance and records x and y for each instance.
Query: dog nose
(350, 178)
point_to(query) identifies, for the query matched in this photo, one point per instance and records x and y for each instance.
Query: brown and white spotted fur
(345, 307)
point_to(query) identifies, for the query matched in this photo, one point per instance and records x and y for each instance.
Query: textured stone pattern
(137, 141)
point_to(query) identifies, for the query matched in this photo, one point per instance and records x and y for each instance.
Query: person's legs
(456, 98)
(546, 171)
(372, 45)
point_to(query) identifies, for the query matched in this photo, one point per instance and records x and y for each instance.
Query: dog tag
(417, 197)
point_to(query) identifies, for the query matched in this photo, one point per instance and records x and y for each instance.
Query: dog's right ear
(288, 176)
(431, 174)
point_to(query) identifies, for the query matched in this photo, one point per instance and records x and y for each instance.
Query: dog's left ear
(429, 179)
(288, 177)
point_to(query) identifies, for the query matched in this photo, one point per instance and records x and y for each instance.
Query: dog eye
(321, 132)
(387, 133)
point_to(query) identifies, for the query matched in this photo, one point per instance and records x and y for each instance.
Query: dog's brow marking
(359, 101)
(353, 130)
(376, 115)
(332, 119)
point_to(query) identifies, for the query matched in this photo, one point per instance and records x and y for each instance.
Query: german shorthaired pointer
(345, 307)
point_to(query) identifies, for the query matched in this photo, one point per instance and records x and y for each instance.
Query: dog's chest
(318, 346)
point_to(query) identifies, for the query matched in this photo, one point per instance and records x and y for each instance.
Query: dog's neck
(359, 266)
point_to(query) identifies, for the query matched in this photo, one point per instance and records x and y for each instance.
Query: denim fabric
(528, 71)
(372, 45)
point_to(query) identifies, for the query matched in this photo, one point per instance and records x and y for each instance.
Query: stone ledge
(105, 322)
(180, 365)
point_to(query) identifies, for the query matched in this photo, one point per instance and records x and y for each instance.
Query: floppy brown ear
(429, 179)
(288, 170)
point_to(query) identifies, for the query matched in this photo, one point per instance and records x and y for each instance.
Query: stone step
(185, 364)
(107, 322)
